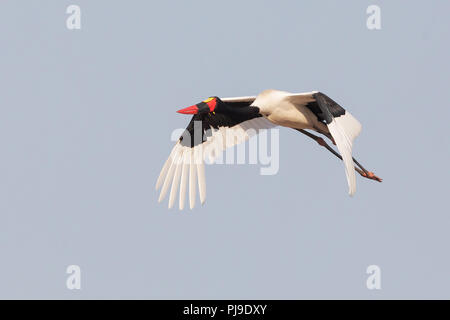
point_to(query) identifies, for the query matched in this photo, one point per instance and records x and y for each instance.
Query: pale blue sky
(85, 124)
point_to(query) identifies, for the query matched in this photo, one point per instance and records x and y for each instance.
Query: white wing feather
(344, 130)
(184, 176)
(187, 163)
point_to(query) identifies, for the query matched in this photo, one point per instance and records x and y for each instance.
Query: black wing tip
(330, 108)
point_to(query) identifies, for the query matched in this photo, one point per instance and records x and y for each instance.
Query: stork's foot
(371, 175)
(363, 172)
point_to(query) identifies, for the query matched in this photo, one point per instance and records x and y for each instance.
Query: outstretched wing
(344, 128)
(205, 136)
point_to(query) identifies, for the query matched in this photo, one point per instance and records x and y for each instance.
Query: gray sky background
(85, 124)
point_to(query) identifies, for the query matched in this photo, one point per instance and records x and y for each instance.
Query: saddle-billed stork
(214, 119)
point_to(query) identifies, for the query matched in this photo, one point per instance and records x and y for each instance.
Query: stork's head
(206, 106)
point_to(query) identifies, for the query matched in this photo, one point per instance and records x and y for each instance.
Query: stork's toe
(371, 175)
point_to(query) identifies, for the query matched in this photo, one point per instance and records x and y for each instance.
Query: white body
(288, 109)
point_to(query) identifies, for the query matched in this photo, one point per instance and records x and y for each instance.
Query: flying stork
(215, 118)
